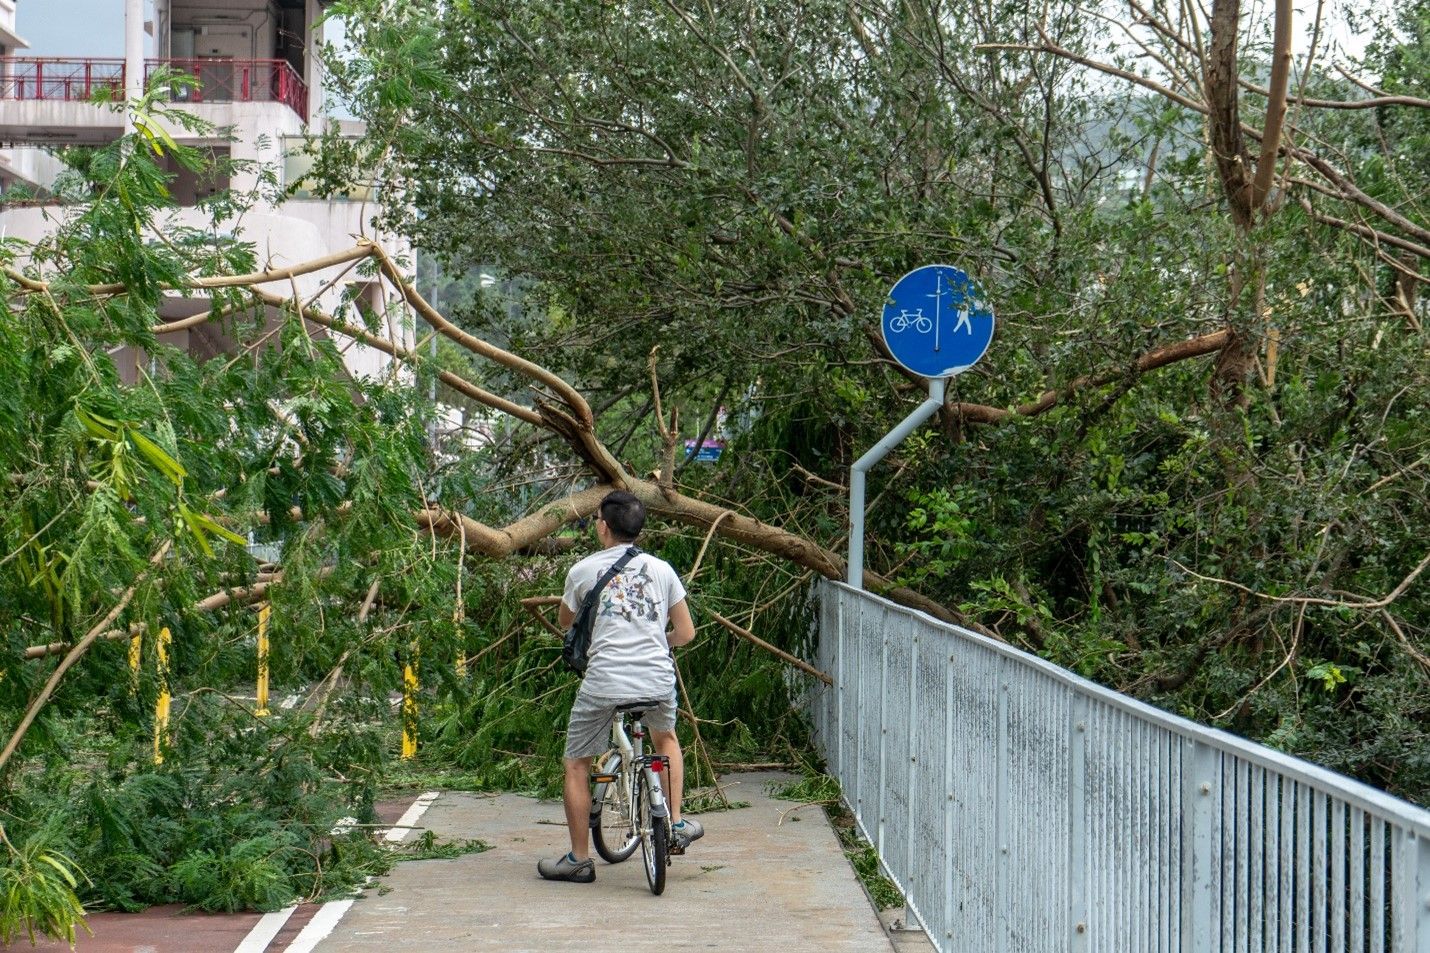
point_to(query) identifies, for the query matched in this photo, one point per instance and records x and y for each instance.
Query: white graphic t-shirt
(629, 658)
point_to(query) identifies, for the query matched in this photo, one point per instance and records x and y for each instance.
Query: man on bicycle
(630, 660)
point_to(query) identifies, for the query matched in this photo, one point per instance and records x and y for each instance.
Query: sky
(73, 27)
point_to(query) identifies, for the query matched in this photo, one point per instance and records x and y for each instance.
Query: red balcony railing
(59, 78)
(75, 79)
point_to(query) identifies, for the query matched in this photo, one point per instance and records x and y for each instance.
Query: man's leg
(577, 791)
(673, 781)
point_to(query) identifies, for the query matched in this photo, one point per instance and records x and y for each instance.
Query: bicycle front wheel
(611, 829)
(654, 836)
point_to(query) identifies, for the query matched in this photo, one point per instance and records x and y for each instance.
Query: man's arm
(682, 628)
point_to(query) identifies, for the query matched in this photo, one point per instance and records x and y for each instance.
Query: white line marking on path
(264, 931)
(409, 820)
(318, 928)
(327, 918)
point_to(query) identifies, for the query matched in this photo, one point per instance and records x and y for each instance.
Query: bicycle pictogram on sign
(902, 321)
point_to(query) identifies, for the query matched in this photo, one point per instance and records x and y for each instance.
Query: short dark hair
(624, 515)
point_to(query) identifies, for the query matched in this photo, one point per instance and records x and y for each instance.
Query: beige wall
(28, 165)
(290, 235)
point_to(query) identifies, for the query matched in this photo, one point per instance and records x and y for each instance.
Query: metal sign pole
(935, 346)
(861, 466)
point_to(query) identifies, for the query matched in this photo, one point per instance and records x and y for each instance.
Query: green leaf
(217, 529)
(196, 528)
(158, 456)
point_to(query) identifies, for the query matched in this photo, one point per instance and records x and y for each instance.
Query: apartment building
(258, 83)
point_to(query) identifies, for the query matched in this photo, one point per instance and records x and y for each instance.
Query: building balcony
(27, 79)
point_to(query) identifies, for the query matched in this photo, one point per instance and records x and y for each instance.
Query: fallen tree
(564, 413)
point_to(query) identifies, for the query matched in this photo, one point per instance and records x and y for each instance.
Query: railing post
(950, 669)
(39, 80)
(1000, 815)
(883, 722)
(861, 651)
(1076, 869)
(907, 874)
(1410, 866)
(839, 680)
(1421, 903)
(1201, 832)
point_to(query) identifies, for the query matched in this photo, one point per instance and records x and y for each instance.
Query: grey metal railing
(1021, 808)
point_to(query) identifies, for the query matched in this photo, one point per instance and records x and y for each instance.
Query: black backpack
(577, 646)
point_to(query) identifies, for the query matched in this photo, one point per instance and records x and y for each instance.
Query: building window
(298, 162)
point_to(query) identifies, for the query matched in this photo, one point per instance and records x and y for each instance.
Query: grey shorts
(589, 732)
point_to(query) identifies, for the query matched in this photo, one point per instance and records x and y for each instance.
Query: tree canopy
(1192, 463)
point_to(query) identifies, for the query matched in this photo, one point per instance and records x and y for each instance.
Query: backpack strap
(589, 603)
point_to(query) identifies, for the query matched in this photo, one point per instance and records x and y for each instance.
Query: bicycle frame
(632, 749)
(633, 794)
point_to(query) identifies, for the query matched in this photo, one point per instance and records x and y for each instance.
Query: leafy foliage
(37, 891)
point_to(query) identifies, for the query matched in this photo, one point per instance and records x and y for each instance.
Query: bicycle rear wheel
(611, 829)
(654, 836)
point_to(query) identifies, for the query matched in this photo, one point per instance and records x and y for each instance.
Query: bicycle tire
(611, 814)
(654, 837)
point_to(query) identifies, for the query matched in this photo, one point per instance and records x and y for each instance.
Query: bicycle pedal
(602, 778)
(675, 849)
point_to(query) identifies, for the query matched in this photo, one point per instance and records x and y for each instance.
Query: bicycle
(627, 801)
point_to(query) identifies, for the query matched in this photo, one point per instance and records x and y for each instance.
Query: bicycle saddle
(638, 706)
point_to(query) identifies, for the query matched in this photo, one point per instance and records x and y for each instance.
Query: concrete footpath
(752, 883)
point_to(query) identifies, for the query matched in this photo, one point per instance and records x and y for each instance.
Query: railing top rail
(219, 61)
(151, 61)
(62, 59)
(1353, 792)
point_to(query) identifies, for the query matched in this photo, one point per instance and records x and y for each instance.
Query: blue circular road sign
(937, 321)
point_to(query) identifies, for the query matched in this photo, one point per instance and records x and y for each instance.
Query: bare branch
(774, 650)
(1275, 105)
(1365, 231)
(361, 250)
(1354, 602)
(1158, 357)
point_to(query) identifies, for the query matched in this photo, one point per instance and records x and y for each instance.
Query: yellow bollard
(457, 621)
(161, 708)
(264, 611)
(409, 707)
(136, 649)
